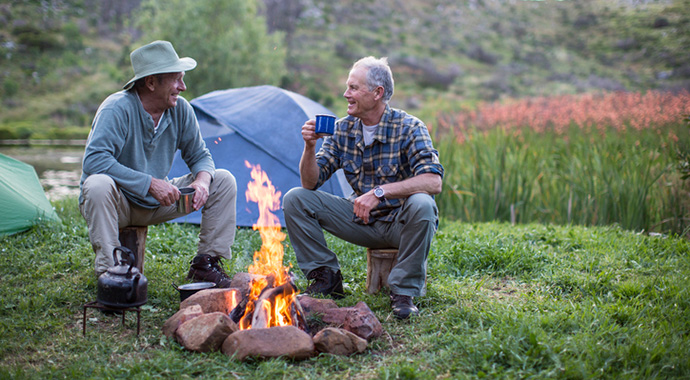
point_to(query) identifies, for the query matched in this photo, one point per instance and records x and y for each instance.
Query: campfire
(261, 315)
(272, 300)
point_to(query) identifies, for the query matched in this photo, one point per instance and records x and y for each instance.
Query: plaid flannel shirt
(401, 149)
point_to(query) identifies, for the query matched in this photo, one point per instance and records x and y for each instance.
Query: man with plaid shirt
(389, 160)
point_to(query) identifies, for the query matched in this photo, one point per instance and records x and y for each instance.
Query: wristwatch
(379, 193)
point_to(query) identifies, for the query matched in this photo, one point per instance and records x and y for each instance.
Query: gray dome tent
(260, 125)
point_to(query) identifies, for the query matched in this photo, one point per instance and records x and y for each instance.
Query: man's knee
(292, 198)
(422, 207)
(225, 179)
(98, 186)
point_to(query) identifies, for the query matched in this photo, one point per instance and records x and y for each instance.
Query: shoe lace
(318, 277)
(217, 264)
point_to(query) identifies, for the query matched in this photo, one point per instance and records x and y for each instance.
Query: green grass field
(503, 301)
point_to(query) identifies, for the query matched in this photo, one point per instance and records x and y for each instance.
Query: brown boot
(208, 268)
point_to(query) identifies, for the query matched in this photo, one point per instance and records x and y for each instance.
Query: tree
(227, 38)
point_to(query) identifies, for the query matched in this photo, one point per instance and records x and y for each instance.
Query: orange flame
(268, 262)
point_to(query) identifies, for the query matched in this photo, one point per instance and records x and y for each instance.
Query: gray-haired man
(390, 162)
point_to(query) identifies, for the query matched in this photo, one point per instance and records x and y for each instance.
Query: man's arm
(308, 169)
(428, 183)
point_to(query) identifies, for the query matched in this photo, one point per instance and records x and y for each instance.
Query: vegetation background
(61, 58)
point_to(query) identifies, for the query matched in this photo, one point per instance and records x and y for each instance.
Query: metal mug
(185, 204)
(325, 124)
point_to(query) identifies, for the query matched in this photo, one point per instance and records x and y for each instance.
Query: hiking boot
(326, 282)
(402, 306)
(208, 268)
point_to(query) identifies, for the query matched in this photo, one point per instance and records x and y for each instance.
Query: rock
(274, 342)
(183, 315)
(214, 300)
(316, 305)
(337, 341)
(205, 333)
(361, 321)
(358, 319)
(243, 282)
(336, 316)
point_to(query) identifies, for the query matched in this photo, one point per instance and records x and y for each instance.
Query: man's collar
(382, 131)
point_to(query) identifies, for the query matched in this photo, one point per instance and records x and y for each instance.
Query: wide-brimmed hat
(158, 57)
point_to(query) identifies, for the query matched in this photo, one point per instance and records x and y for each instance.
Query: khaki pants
(308, 213)
(106, 210)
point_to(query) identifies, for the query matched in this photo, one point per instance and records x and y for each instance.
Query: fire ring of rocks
(220, 319)
(261, 314)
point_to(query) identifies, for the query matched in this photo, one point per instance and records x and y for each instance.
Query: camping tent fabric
(22, 200)
(260, 126)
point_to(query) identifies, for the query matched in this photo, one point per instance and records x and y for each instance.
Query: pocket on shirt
(351, 167)
(390, 172)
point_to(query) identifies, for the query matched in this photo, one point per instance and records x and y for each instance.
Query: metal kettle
(122, 285)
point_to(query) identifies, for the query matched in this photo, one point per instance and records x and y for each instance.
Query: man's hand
(309, 133)
(164, 192)
(201, 184)
(364, 204)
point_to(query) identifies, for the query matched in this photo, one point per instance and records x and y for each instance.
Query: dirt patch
(507, 288)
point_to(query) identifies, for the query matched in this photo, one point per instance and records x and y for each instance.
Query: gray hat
(158, 57)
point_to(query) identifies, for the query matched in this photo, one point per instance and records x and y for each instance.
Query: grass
(503, 301)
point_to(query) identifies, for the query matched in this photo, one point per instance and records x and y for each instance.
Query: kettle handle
(131, 257)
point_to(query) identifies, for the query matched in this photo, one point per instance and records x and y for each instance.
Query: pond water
(58, 168)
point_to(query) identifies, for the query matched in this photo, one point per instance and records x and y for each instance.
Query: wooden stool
(379, 265)
(134, 238)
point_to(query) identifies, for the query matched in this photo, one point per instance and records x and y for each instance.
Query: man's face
(360, 101)
(167, 90)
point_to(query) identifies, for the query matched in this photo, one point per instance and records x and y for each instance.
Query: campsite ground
(503, 302)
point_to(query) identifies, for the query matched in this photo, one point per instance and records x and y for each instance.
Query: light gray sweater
(123, 145)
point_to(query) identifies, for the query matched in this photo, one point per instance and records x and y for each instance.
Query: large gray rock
(214, 300)
(205, 333)
(337, 341)
(273, 342)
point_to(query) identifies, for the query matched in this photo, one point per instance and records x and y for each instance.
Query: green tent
(22, 200)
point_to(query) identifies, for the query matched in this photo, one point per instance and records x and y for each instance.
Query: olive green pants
(308, 213)
(106, 210)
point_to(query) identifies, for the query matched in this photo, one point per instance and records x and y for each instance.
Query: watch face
(378, 192)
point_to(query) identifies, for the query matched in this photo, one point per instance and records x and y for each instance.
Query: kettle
(122, 285)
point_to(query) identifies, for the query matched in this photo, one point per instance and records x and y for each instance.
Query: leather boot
(326, 282)
(208, 268)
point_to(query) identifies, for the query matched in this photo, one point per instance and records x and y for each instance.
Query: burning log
(272, 309)
(239, 310)
(299, 313)
(274, 306)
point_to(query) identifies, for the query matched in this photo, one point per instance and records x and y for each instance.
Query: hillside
(59, 59)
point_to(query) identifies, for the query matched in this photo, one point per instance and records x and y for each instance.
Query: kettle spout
(133, 291)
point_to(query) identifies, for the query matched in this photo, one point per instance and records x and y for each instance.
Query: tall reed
(564, 178)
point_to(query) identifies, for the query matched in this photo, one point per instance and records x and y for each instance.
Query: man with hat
(133, 140)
